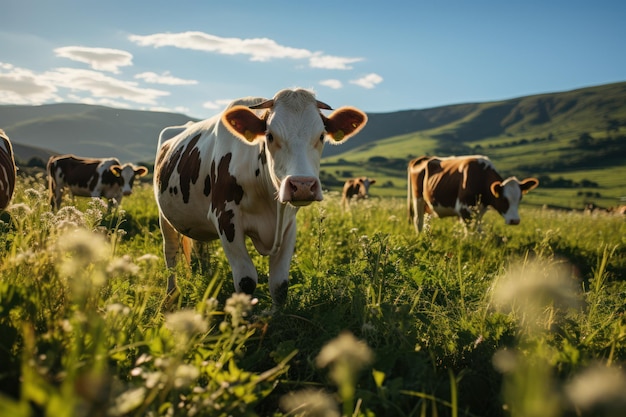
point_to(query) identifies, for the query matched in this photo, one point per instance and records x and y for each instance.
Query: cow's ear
(528, 184)
(242, 122)
(372, 182)
(141, 171)
(344, 123)
(496, 189)
(116, 170)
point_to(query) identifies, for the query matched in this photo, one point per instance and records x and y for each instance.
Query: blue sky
(192, 57)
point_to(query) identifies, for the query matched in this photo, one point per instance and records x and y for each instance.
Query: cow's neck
(279, 228)
(284, 212)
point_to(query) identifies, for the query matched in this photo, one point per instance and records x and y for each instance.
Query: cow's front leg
(279, 266)
(245, 275)
(418, 220)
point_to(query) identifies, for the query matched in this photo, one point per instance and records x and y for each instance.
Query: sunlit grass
(379, 321)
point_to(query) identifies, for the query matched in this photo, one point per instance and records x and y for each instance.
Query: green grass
(520, 321)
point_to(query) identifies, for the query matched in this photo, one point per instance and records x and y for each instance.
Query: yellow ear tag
(233, 122)
(249, 135)
(338, 135)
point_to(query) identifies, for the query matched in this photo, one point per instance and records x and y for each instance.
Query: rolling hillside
(86, 130)
(574, 142)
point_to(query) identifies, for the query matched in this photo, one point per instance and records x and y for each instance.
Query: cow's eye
(269, 137)
(322, 137)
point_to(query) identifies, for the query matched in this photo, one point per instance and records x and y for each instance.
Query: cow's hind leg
(171, 241)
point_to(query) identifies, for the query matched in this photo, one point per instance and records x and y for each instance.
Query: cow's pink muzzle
(300, 190)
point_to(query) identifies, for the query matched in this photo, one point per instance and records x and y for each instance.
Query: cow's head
(364, 186)
(294, 132)
(508, 195)
(126, 174)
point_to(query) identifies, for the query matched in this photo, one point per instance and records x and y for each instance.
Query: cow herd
(247, 171)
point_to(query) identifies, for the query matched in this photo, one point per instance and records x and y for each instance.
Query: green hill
(86, 130)
(574, 141)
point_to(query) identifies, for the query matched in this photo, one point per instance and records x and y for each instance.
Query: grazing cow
(91, 177)
(243, 173)
(7, 170)
(356, 187)
(619, 210)
(459, 186)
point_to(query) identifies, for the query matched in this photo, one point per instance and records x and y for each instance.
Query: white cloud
(101, 59)
(331, 83)
(23, 86)
(369, 81)
(165, 78)
(100, 85)
(258, 49)
(332, 62)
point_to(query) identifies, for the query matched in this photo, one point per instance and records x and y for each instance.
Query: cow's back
(458, 179)
(7, 170)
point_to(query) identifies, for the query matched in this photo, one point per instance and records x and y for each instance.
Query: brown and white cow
(91, 177)
(461, 186)
(246, 172)
(7, 170)
(356, 188)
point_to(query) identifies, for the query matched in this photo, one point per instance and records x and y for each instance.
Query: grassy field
(513, 321)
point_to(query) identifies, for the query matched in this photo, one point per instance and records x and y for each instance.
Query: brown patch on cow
(165, 167)
(7, 171)
(207, 185)
(189, 167)
(77, 172)
(224, 188)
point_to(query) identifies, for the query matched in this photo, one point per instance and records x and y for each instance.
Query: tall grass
(518, 321)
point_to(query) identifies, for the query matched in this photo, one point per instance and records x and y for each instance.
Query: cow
(246, 172)
(357, 188)
(8, 170)
(91, 177)
(619, 210)
(462, 186)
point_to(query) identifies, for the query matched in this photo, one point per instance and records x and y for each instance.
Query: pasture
(521, 320)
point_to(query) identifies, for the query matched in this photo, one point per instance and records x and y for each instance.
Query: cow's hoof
(280, 294)
(247, 285)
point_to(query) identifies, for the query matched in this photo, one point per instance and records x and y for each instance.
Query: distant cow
(619, 210)
(459, 186)
(90, 177)
(7, 170)
(243, 173)
(357, 188)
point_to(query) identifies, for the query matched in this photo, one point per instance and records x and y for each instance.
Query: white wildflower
(185, 375)
(186, 323)
(598, 387)
(310, 403)
(123, 265)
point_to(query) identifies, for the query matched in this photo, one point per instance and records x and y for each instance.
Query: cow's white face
(128, 173)
(294, 133)
(366, 186)
(509, 192)
(294, 142)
